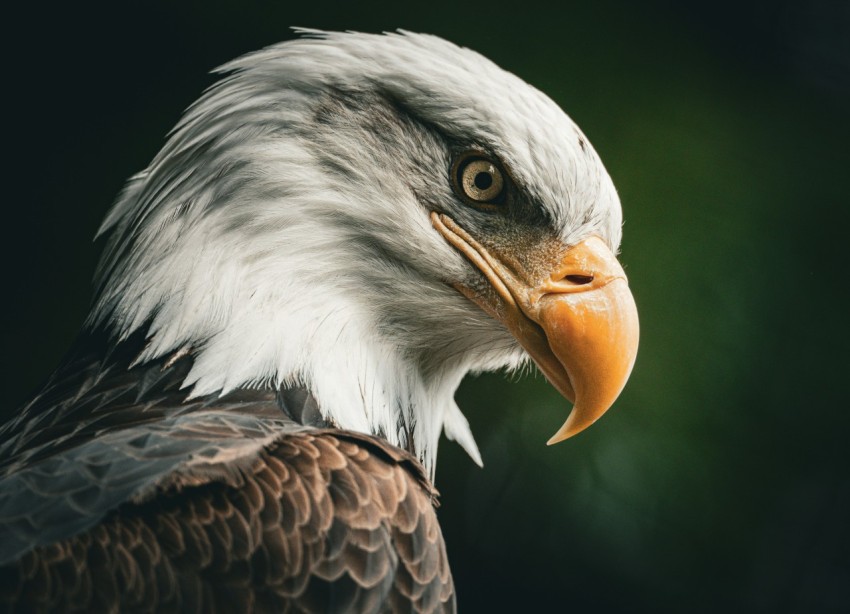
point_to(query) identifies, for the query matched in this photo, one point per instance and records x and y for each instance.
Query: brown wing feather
(323, 521)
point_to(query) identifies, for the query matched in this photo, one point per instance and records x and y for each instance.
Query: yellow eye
(479, 179)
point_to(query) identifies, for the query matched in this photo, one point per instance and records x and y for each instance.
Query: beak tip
(568, 429)
(559, 437)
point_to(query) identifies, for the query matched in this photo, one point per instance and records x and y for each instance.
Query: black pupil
(483, 180)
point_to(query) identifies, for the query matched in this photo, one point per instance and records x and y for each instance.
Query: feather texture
(319, 522)
(125, 496)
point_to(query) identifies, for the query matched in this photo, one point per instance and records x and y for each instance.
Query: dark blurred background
(721, 479)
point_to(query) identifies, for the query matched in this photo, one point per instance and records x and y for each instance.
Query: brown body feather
(320, 523)
(315, 520)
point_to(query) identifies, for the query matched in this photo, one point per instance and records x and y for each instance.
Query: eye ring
(479, 180)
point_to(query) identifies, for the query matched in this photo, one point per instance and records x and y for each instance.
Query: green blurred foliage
(720, 478)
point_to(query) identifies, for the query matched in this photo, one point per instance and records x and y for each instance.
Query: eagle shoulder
(321, 520)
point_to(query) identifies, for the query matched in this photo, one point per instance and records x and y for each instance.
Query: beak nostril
(579, 280)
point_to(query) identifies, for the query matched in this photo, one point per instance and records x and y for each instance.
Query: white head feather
(282, 233)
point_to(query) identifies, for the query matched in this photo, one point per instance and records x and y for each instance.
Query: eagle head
(371, 217)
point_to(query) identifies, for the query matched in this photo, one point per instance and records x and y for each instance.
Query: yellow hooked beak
(579, 323)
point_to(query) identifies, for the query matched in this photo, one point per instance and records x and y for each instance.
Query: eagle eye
(478, 180)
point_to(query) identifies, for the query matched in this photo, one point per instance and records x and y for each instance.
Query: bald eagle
(333, 236)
